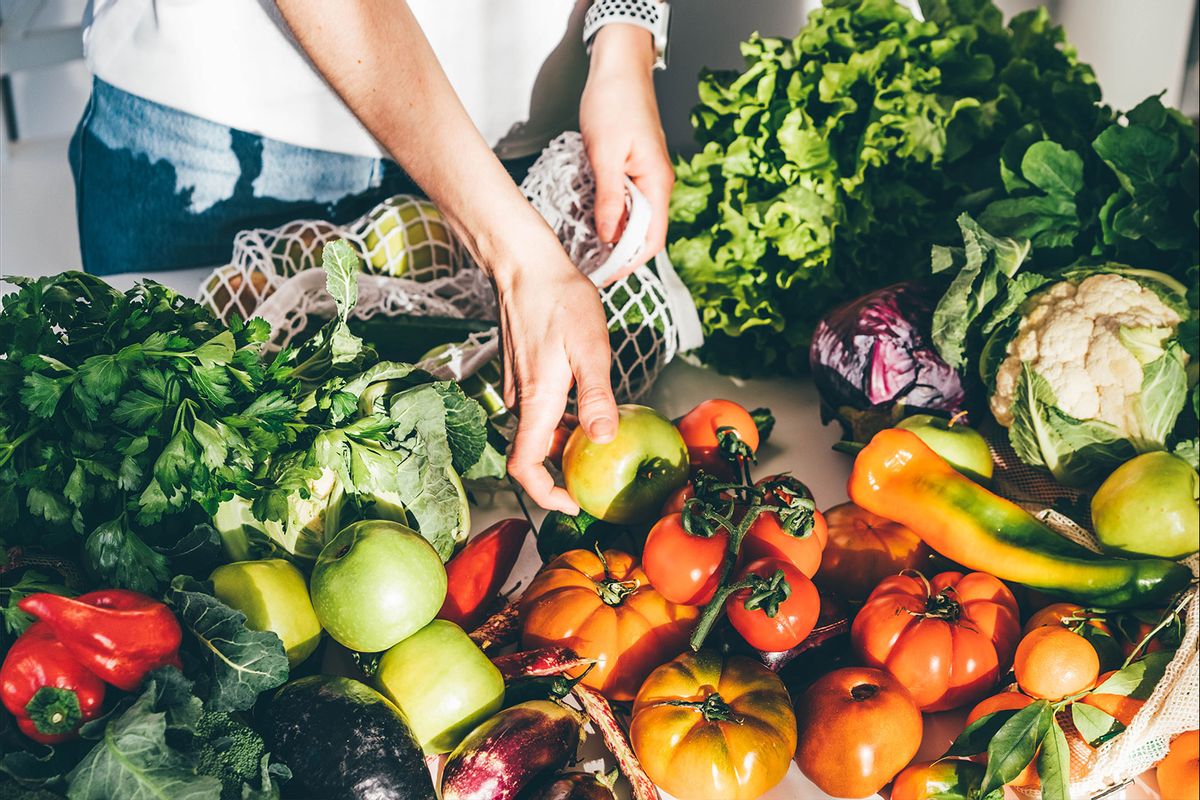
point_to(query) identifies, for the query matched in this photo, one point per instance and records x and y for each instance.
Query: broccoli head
(228, 750)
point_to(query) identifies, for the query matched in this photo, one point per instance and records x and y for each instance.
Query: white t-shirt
(517, 65)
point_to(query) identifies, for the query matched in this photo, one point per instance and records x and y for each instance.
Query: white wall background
(1136, 46)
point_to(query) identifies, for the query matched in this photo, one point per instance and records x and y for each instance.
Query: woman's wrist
(622, 48)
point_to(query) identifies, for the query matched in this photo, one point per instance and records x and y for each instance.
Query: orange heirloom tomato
(947, 640)
(681, 567)
(710, 728)
(604, 610)
(863, 549)
(938, 780)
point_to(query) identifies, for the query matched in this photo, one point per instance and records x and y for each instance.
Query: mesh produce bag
(1173, 707)
(414, 266)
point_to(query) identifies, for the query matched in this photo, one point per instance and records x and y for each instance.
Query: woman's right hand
(554, 336)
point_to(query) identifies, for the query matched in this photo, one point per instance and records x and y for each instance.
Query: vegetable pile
(832, 163)
(128, 421)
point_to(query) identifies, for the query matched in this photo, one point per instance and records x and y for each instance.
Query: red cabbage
(873, 361)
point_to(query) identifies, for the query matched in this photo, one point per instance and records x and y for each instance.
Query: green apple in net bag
(406, 236)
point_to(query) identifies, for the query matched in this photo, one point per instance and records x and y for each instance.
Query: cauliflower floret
(1070, 334)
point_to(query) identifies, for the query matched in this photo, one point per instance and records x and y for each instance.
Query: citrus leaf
(1139, 678)
(1054, 765)
(1016, 743)
(1094, 725)
(975, 738)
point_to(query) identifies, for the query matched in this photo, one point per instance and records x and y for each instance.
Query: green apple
(442, 682)
(274, 597)
(627, 480)
(407, 228)
(962, 447)
(376, 583)
(1149, 506)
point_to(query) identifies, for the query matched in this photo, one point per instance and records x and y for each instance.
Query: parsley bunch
(126, 418)
(133, 419)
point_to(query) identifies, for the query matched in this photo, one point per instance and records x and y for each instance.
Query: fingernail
(602, 430)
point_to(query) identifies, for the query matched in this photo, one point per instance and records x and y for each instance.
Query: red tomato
(767, 539)
(793, 620)
(699, 430)
(675, 502)
(683, 568)
(947, 640)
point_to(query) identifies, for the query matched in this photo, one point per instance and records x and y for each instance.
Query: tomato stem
(713, 708)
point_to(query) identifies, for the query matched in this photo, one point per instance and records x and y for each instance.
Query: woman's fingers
(656, 185)
(593, 391)
(608, 168)
(540, 410)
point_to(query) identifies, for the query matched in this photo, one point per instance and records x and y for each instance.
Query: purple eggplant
(511, 750)
(575, 786)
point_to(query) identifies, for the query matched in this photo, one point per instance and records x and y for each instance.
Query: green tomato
(1149, 506)
(274, 597)
(376, 583)
(962, 447)
(627, 480)
(442, 682)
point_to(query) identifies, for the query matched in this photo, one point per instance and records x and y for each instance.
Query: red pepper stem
(54, 711)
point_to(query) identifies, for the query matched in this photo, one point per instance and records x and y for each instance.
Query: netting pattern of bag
(1173, 707)
(413, 265)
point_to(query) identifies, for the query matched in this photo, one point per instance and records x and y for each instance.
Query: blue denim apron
(159, 189)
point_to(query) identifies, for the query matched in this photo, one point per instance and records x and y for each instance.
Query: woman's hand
(554, 335)
(553, 328)
(618, 117)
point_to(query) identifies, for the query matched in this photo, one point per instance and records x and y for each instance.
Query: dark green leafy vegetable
(833, 161)
(133, 761)
(31, 582)
(242, 663)
(131, 419)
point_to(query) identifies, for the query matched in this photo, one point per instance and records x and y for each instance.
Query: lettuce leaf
(833, 161)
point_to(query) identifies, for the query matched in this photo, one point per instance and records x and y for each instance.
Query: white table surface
(799, 444)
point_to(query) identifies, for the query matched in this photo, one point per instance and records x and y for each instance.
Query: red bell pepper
(474, 576)
(118, 634)
(46, 688)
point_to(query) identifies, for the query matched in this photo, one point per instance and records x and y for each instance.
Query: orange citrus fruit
(1179, 772)
(1055, 613)
(1053, 663)
(1117, 706)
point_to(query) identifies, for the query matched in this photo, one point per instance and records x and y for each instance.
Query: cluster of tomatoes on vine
(736, 546)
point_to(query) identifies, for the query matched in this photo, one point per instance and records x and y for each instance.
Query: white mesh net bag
(1174, 705)
(414, 266)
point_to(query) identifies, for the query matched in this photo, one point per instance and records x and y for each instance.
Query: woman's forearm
(418, 119)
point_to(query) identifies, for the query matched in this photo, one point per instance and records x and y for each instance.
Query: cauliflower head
(1091, 375)
(1078, 337)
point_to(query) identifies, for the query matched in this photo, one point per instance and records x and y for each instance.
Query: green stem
(1167, 619)
(713, 708)
(712, 611)
(11, 447)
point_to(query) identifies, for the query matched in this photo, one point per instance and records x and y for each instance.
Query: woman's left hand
(618, 117)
